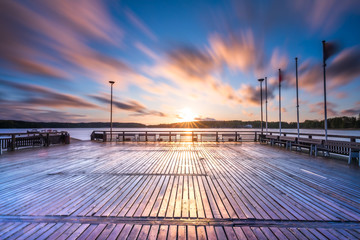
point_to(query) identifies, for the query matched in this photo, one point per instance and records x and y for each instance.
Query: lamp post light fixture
(261, 102)
(111, 100)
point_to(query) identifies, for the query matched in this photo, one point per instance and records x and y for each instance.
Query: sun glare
(186, 115)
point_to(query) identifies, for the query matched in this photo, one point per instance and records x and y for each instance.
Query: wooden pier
(137, 190)
(12, 141)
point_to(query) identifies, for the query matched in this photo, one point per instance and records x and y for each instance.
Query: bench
(126, 137)
(231, 137)
(287, 141)
(147, 135)
(350, 149)
(212, 136)
(311, 144)
(167, 135)
(271, 138)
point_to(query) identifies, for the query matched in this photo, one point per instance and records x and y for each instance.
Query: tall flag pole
(325, 56)
(266, 104)
(297, 97)
(261, 102)
(280, 101)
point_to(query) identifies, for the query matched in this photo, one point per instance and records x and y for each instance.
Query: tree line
(333, 123)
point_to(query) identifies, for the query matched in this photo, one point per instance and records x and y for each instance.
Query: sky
(175, 61)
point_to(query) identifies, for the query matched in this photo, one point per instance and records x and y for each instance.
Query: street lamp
(261, 101)
(111, 125)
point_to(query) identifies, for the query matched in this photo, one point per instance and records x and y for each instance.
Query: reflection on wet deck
(189, 190)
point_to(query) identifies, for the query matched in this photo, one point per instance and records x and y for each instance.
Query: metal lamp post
(111, 100)
(261, 101)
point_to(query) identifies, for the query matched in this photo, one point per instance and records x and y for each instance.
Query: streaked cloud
(204, 119)
(340, 71)
(238, 51)
(87, 43)
(325, 15)
(34, 95)
(17, 112)
(318, 108)
(147, 51)
(131, 105)
(354, 111)
(137, 22)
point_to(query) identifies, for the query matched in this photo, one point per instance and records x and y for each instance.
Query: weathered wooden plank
(181, 181)
(201, 233)
(154, 230)
(172, 233)
(116, 231)
(163, 231)
(144, 232)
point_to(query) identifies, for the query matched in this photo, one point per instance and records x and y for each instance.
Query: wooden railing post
(67, 138)
(255, 140)
(104, 136)
(146, 139)
(47, 139)
(236, 137)
(12, 142)
(169, 136)
(217, 136)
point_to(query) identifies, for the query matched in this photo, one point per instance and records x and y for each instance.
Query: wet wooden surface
(92, 190)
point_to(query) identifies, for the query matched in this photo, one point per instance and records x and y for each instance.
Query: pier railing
(175, 136)
(12, 141)
(204, 136)
(345, 138)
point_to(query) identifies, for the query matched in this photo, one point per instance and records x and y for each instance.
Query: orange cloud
(238, 52)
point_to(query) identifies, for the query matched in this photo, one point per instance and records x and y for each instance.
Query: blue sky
(175, 60)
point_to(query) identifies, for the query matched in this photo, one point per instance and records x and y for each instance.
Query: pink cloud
(147, 51)
(319, 109)
(34, 95)
(135, 20)
(325, 15)
(239, 52)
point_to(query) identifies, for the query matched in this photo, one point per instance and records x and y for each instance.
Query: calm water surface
(84, 133)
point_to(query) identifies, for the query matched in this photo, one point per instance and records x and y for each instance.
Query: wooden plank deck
(93, 190)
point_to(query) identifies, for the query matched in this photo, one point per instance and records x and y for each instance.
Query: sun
(186, 115)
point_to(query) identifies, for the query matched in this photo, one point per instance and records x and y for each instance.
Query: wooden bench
(272, 139)
(350, 149)
(287, 141)
(311, 144)
(209, 135)
(126, 137)
(231, 137)
(194, 137)
(147, 135)
(171, 136)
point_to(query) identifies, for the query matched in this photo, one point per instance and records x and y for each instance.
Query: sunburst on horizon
(186, 115)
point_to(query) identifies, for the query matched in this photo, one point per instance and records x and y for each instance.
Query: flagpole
(261, 80)
(266, 103)
(279, 102)
(325, 107)
(297, 97)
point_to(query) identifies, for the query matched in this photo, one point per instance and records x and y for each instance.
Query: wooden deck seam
(182, 221)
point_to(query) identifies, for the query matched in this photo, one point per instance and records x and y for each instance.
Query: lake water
(84, 133)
